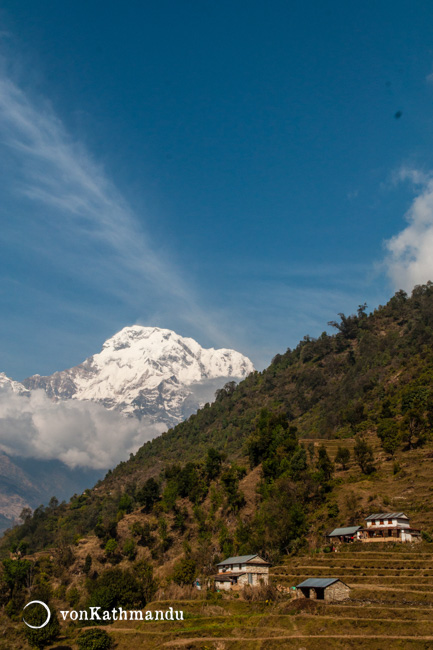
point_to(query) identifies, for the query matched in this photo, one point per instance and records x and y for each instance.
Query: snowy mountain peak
(14, 386)
(148, 371)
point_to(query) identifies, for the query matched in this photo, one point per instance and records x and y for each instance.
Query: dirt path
(360, 638)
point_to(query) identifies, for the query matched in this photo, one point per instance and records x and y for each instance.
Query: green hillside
(332, 430)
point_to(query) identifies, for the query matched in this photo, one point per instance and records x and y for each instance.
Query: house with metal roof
(327, 589)
(241, 570)
(388, 527)
(348, 534)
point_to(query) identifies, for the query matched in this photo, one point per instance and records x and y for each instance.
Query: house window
(381, 522)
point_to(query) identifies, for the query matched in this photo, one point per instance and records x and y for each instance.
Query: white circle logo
(38, 627)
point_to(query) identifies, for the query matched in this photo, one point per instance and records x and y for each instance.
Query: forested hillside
(336, 423)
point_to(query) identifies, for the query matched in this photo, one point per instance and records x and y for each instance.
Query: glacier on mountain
(147, 371)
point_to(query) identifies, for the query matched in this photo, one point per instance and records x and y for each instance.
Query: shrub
(87, 564)
(95, 640)
(115, 588)
(364, 455)
(177, 592)
(16, 574)
(73, 596)
(184, 571)
(125, 503)
(143, 571)
(149, 494)
(60, 592)
(15, 605)
(41, 638)
(130, 549)
(111, 547)
(267, 593)
(342, 457)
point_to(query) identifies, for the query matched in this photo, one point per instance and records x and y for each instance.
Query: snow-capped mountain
(147, 371)
(10, 384)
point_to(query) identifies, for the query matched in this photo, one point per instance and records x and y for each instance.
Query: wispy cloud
(86, 209)
(409, 259)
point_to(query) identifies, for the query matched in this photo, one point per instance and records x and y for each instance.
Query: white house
(240, 571)
(388, 527)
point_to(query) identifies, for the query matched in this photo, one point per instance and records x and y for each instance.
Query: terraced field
(365, 570)
(391, 604)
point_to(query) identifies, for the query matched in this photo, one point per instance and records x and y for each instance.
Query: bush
(14, 606)
(184, 572)
(125, 503)
(143, 571)
(73, 596)
(111, 548)
(115, 588)
(95, 640)
(130, 549)
(267, 593)
(87, 564)
(16, 574)
(342, 457)
(177, 592)
(35, 615)
(149, 494)
(364, 455)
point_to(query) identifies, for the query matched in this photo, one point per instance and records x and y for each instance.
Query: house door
(250, 578)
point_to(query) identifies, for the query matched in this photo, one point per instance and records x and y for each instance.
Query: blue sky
(238, 172)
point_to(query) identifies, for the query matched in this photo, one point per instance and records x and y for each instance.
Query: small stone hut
(327, 589)
(240, 571)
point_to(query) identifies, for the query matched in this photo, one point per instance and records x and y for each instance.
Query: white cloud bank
(80, 434)
(410, 253)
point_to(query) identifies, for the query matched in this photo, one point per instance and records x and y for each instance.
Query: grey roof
(387, 515)
(239, 559)
(351, 530)
(318, 582)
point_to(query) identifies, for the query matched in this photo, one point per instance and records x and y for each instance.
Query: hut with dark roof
(347, 534)
(327, 589)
